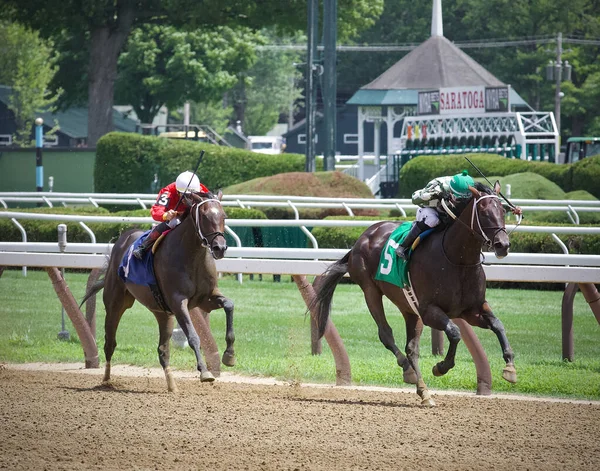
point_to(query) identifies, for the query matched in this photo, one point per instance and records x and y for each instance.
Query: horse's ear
(497, 187)
(219, 195)
(475, 191)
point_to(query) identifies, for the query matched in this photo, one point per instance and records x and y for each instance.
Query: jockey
(168, 207)
(428, 199)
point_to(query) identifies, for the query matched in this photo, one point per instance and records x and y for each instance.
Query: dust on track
(54, 419)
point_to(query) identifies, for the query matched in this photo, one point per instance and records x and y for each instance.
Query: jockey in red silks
(168, 207)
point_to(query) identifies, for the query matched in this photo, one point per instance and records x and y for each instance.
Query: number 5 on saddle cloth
(392, 268)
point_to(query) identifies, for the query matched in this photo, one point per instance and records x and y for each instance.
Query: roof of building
(364, 97)
(73, 122)
(437, 63)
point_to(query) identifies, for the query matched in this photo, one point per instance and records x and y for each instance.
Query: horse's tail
(324, 289)
(97, 286)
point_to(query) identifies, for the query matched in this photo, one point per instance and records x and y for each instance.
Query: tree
(214, 114)
(27, 66)
(99, 30)
(522, 66)
(164, 66)
(267, 90)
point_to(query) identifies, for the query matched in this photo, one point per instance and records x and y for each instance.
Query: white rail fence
(571, 207)
(516, 267)
(580, 269)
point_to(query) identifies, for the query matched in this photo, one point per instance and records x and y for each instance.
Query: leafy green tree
(92, 34)
(267, 90)
(27, 65)
(214, 114)
(164, 66)
(522, 66)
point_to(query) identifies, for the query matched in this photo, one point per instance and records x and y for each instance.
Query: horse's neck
(187, 237)
(460, 244)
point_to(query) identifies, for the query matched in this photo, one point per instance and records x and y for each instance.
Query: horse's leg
(435, 318)
(166, 323)
(185, 322)
(374, 299)
(116, 301)
(509, 373)
(218, 301)
(414, 328)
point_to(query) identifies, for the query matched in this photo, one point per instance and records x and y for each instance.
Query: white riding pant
(429, 216)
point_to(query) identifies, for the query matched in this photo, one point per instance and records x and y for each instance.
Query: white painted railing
(281, 261)
(571, 207)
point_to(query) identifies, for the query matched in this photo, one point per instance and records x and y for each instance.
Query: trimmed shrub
(46, 231)
(526, 242)
(416, 173)
(586, 175)
(127, 163)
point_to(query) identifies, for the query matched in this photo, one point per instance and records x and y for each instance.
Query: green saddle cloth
(392, 268)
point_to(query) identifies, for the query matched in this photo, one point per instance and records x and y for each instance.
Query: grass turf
(273, 338)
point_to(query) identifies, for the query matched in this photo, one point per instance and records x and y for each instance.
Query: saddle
(159, 240)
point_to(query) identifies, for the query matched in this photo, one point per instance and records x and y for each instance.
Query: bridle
(475, 227)
(207, 239)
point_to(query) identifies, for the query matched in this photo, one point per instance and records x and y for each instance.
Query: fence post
(62, 245)
(39, 144)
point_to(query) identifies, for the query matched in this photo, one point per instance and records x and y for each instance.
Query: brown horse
(184, 266)
(446, 276)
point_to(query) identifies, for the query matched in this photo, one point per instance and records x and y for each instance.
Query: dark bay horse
(446, 276)
(184, 266)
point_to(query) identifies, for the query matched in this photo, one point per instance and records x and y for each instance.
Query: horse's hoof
(108, 384)
(437, 371)
(228, 359)
(428, 402)
(409, 376)
(510, 374)
(207, 377)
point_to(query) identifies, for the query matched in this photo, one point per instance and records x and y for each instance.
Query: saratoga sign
(464, 100)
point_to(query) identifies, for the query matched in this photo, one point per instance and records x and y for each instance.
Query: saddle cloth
(139, 272)
(392, 268)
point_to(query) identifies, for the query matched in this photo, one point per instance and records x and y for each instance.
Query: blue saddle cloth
(139, 272)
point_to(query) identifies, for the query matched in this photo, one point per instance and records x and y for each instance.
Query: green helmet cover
(460, 183)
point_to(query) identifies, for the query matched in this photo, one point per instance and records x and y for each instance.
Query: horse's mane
(208, 194)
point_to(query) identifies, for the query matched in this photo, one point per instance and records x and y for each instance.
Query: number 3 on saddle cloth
(392, 268)
(141, 272)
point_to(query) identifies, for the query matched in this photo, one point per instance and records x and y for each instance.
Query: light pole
(555, 70)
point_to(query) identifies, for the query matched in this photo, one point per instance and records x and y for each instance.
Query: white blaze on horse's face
(210, 225)
(491, 215)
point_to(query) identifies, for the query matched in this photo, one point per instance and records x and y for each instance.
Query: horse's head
(487, 218)
(209, 222)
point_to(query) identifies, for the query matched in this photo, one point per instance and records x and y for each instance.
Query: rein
(479, 233)
(475, 217)
(204, 238)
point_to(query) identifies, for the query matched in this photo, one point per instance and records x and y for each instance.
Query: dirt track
(57, 420)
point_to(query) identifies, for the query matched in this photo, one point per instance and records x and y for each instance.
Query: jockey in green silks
(428, 200)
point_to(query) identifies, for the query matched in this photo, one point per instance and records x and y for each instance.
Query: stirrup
(139, 252)
(401, 252)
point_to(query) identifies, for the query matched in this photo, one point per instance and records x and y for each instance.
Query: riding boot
(412, 235)
(147, 243)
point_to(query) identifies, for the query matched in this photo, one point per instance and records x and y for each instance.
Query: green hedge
(526, 242)
(582, 175)
(127, 162)
(46, 231)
